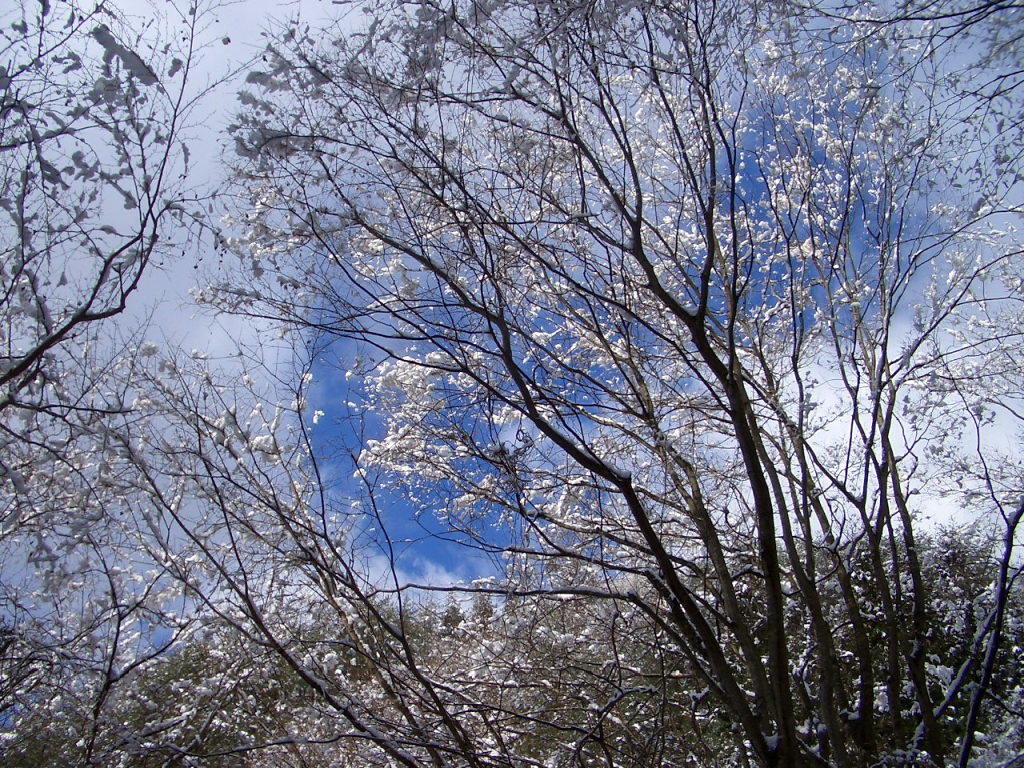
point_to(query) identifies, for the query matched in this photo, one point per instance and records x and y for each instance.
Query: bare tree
(94, 194)
(684, 312)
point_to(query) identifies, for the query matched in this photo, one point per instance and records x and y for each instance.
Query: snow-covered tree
(94, 107)
(699, 320)
(690, 307)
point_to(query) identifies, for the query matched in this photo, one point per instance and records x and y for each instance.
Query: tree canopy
(698, 323)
